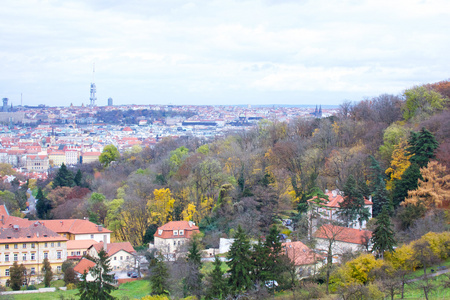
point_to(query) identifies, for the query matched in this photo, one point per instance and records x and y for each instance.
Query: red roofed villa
(170, 237)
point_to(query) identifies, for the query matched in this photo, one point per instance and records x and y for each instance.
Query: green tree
(409, 182)
(43, 206)
(16, 275)
(422, 146)
(48, 273)
(352, 208)
(78, 178)
(380, 196)
(383, 235)
(102, 285)
(422, 101)
(274, 260)
(193, 281)
(109, 154)
(217, 285)
(63, 177)
(159, 276)
(240, 262)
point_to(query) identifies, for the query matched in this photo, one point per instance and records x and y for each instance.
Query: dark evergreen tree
(217, 285)
(273, 261)
(193, 281)
(16, 275)
(63, 177)
(422, 146)
(407, 183)
(43, 206)
(352, 208)
(259, 257)
(102, 285)
(379, 193)
(383, 235)
(159, 276)
(78, 179)
(48, 273)
(240, 262)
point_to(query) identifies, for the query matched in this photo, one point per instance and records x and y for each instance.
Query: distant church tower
(110, 101)
(93, 98)
(5, 104)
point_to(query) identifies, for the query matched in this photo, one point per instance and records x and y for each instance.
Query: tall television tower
(93, 89)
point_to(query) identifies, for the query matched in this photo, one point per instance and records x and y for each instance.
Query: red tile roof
(168, 228)
(343, 234)
(300, 254)
(113, 248)
(80, 244)
(35, 232)
(335, 200)
(83, 266)
(75, 226)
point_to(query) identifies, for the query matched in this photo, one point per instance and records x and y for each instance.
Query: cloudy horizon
(219, 52)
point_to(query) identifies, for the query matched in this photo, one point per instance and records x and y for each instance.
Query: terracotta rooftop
(34, 232)
(168, 228)
(300, 254)
(80, 244)
(113, 248)
(75, 226)
(335, 198)
(343, 234)
(83, 266)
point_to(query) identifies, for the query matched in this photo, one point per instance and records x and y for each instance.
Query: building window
(33, 256)
(33, 271)
(121, 258)
(84, 252)
(174, 243)
(59, 244)
(92, 236)
(58, 269)
(45, 255)
(160, 231)
(7, 272)
(24, 246)
(181, 232)
(16, 257)
(175, 232)
(7, 257)
(6, 247)
(24, 256)
(33, 245)
(115, 258)
(58, 255)
(45, 245)
(16, 246)
(53, 244)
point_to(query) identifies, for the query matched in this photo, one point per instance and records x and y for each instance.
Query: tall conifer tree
(383, 235)
(217, 286)
(240, 262)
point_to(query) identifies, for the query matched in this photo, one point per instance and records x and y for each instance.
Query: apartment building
(29, 246)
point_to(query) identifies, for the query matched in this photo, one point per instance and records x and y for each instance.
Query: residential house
(172, 236)
(88, 157)
(83, 266)
(121, 254)
(306, 261)
(329, 209)
(29, 246)
(77, 248)
(77, 229)
(343, 239)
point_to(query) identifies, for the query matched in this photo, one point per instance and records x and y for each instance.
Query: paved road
(430, 275)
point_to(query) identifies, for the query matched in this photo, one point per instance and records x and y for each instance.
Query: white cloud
(216, 51)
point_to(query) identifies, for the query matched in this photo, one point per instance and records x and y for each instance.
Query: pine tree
(240, 262)
(422, 146)
(159, 276)
(378, 186)
(43, 206)
(16, 275)
(259, 257)
(217, 286)
(193, 281)
(63, 177)
(383, 235)
(101, 287)
(78, 178)
(273, 261)
(352, 208)
(409, 182)
(48, 273)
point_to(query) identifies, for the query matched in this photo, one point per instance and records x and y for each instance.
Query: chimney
(105, 245)
(334, 193)
(100, 227)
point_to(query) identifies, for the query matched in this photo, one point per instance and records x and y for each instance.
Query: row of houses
(29, 242)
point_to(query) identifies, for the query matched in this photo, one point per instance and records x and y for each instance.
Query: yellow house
(57, 158)
(89, 157)
(29, 246)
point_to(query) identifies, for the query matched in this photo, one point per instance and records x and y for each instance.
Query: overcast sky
(219, 52)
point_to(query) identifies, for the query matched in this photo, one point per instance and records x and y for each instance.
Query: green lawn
(130, 290)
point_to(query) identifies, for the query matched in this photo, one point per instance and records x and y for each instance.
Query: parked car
(134, 275)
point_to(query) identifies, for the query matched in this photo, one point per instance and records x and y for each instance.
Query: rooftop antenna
(93, 88)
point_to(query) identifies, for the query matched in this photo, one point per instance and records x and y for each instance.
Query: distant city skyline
(266, 52)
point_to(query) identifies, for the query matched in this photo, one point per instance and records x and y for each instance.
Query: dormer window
(181, 232)
(160, 231)
(175, 232)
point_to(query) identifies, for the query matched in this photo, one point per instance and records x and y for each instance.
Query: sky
(226, 52)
